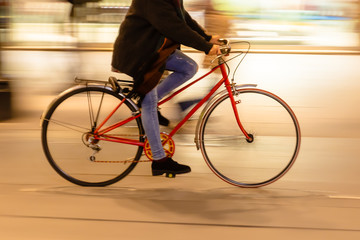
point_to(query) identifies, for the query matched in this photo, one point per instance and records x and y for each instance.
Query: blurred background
(322, 24)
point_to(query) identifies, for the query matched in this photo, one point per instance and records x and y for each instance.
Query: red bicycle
(92, 133)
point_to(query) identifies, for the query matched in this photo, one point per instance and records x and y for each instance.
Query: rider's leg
(183, 68)
(161, 164)
(150, 122)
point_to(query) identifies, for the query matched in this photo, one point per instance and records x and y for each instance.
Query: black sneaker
(163, 120)
(169, 167)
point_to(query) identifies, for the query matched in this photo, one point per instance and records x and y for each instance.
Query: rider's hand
(215, 40)
(215, 50)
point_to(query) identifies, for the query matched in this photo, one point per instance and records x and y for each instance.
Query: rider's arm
(163, 17)
(196, 27)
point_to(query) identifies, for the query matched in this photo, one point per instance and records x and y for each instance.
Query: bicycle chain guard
(168, 145)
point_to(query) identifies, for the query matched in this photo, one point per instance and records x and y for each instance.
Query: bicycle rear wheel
(238, 161)
(68, 140)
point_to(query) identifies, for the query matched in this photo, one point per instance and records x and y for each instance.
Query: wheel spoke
(68, 125)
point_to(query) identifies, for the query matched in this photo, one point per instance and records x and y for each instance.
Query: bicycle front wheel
(68, 136)
(242, 162)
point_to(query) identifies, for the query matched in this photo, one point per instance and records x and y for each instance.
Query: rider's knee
(191, 68)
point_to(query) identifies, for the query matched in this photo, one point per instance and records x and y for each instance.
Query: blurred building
(5, 91)
(322, 24)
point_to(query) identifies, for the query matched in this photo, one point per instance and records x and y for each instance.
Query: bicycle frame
(100, 134)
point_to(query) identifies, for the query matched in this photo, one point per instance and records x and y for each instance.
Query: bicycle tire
(275, 132)
(68, 125)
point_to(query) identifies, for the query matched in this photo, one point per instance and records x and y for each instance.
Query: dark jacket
(147, 25)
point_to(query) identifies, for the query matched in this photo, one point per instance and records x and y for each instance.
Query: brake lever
(225, 50)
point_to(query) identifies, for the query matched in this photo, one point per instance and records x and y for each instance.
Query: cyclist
(148, 43)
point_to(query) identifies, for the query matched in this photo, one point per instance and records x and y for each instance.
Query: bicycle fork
(231, 89)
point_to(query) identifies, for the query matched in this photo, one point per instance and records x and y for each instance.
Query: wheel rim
(250, 164)
(64, 138)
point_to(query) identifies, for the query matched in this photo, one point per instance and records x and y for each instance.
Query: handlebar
(225, 50)
(225, 47)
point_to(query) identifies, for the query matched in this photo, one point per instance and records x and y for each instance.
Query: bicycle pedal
(170, 175)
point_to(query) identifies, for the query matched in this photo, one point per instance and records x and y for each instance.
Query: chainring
(168, 145)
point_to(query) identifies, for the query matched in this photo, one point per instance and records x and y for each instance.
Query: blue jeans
(183, 68)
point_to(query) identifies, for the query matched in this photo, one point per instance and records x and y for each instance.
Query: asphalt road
(319, 198)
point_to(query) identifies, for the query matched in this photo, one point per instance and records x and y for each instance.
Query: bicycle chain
(169, 150)
(121, 161)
